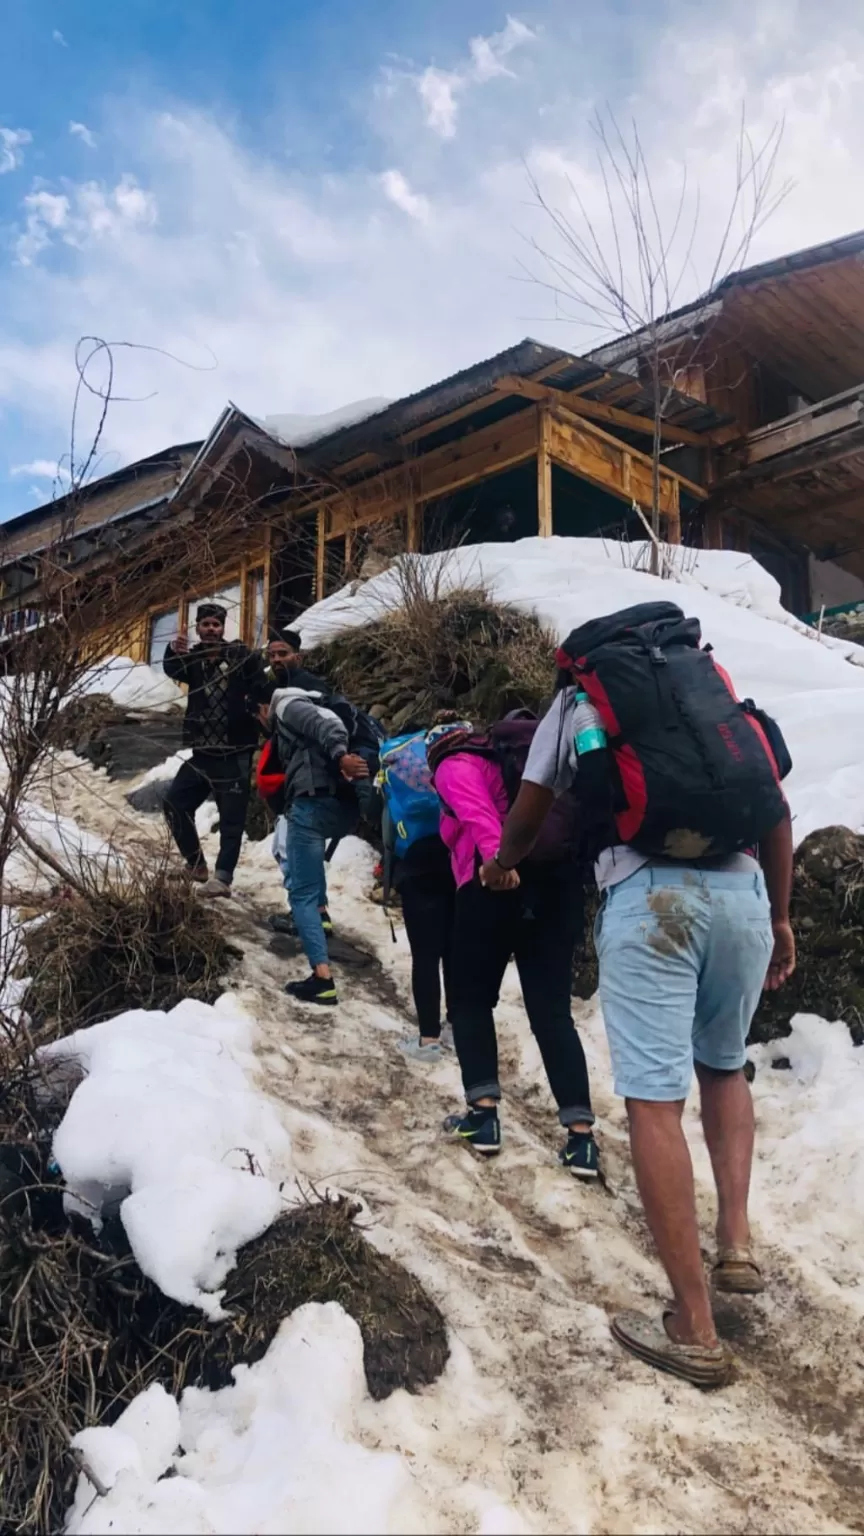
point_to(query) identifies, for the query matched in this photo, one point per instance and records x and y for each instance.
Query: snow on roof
(298, 431)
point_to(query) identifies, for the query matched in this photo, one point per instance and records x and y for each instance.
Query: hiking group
(645, 764)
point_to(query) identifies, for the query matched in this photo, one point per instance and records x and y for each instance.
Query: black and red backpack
(507, 743)
(692, 771)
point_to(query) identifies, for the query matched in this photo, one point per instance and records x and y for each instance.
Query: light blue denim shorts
(683, 956)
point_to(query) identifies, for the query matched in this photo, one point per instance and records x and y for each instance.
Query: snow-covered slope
(808, 683)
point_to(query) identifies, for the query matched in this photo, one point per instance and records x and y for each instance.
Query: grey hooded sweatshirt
(311, 741)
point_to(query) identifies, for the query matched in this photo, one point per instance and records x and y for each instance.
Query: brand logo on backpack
(694, 773)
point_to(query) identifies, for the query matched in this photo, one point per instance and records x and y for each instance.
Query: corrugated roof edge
(116, 477)
(620, 347)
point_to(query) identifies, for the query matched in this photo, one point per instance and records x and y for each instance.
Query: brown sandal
(737, 1273)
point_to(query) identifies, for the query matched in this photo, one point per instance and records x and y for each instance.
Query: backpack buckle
(657, 657)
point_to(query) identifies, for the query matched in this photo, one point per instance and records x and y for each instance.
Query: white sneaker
(418, 1052)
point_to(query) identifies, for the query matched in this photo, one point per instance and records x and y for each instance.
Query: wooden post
(319, 555)
(544, 474)
(673, 518)
(412, 528)
(349, 551)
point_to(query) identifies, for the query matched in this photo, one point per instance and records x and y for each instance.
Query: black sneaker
(315, 989)
(580, 1155)
(480, 1128)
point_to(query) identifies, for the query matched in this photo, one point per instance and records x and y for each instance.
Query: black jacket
(246, 689)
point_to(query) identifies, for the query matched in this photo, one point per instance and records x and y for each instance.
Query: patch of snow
(808, 684)
(167, 1123)
(133, 684)
(297, 431)
(279, 1451)
(808, 1178)
(166, 770)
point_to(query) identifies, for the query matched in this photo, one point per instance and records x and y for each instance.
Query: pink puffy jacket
(472, 788)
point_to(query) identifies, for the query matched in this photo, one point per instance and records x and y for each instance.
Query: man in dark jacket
(226, 690)
(320, 805)
(285, 667)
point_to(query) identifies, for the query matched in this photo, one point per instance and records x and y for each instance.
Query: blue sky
(310, 204)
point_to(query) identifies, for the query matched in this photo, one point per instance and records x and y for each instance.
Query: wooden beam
(544, 473)
(439, 473)
(606, 413)
(607, 463)
(562, 413)
(319, 554)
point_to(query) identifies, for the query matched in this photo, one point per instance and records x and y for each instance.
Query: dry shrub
(82, 1332)
(136, 938)
(827, 914)
(440, 650)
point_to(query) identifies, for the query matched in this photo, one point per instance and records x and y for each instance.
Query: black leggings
(537, 926)
(225, 776)
(427, 907)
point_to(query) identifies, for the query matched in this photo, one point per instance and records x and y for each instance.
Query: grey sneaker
(214, 887)
(417, 1052)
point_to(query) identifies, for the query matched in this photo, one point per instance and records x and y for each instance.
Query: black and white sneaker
(479, 1128)
(580, 1155)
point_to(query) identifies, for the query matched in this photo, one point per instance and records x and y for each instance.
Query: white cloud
(291, 291)
(398, 190)
(40, 469)
(88, 211)
(12, 141)
(438, 89)
(57, 37)
(82, 132)
(488, 53)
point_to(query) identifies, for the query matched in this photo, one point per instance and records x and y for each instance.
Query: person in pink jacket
(536, 922)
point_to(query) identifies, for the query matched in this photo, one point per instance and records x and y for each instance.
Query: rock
(827, 914)
(749, 1070)
(781, 1064)
(124, 741)
(149, 797)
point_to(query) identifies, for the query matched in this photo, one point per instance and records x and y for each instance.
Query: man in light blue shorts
(684, 951)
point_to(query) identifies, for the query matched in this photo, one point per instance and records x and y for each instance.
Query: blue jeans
(312, 822)
(683, 957)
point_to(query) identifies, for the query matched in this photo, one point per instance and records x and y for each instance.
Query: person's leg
(449, 920)
(545, 941)
(650, 940)
(729, 1125)
(664, 1175)
(307, 839)
(421, 911)
(190, 788)
(231, 789)
(733, 974)
(481, 950)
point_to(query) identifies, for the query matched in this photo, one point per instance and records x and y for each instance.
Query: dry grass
(135, 939)
(82, 1332)
(441, 650)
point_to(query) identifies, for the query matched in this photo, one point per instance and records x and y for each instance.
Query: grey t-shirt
(553, 763)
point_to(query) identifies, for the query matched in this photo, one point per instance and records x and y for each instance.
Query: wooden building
(762, 449)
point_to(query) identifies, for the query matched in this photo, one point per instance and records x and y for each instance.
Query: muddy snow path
(538, 1405)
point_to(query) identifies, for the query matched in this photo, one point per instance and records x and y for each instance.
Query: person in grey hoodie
(320, 804)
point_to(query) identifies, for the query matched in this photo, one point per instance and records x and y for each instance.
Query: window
(230, 598)
(163, 627)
